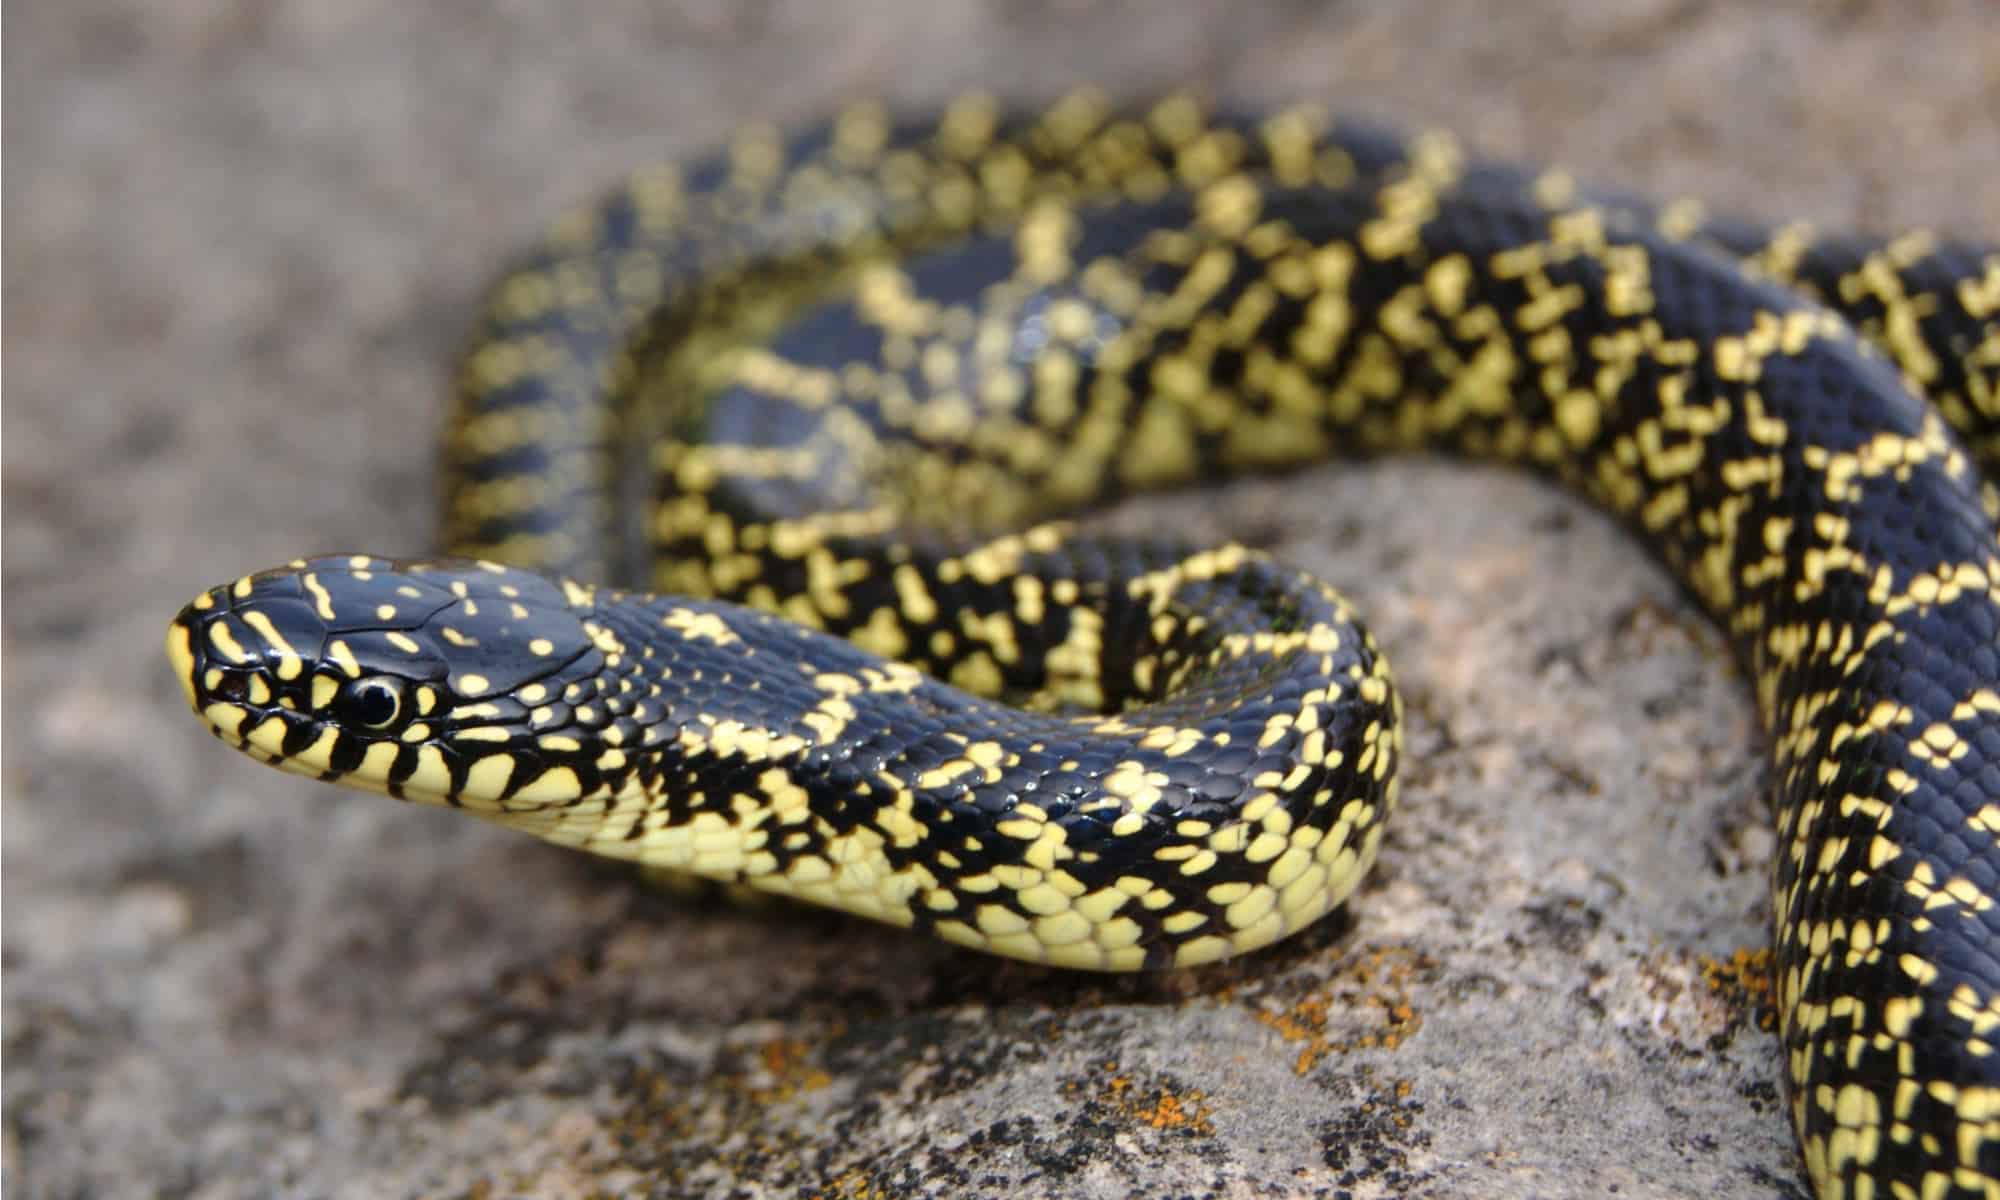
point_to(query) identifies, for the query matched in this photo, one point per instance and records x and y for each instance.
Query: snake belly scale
(870, 371)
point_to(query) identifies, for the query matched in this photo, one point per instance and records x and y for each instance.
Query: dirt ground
(243, 240)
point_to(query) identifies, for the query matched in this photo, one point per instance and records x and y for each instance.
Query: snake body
(873, 367)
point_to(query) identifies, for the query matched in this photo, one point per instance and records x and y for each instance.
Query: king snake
(866, 372)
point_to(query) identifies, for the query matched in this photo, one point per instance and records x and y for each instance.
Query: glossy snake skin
(869, 369)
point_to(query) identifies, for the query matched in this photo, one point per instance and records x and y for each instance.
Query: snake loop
(872, 370)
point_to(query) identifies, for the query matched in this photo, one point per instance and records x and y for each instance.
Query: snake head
(448, 682)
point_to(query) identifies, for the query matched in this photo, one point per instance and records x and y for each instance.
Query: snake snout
(245, 651)
(185, 653)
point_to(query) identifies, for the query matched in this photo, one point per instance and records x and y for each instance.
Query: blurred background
(243, 240)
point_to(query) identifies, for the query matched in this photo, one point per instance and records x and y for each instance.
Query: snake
(762, 559)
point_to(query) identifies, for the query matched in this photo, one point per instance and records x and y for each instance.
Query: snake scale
(868, 371)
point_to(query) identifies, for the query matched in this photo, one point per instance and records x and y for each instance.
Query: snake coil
(873, 367)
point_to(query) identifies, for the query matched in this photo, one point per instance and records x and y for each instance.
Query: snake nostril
(233, 687)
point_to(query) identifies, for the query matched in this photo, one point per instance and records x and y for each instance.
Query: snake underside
(869, 372)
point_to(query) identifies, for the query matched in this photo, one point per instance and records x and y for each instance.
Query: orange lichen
(852, 1185)
(1159, 1106)
(1746, 982)
(785, 1063)
(1377, 981)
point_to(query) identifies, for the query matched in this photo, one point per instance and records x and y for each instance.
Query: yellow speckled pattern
(869, 370)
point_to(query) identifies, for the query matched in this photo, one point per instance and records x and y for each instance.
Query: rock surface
(244, 240)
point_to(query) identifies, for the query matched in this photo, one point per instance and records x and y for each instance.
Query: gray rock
(244, 241)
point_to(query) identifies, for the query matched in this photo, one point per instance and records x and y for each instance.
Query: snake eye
(372, 703)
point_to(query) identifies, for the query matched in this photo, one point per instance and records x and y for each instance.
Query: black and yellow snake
(872, 366)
